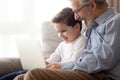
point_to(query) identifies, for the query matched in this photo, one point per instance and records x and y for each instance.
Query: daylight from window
(22, 19)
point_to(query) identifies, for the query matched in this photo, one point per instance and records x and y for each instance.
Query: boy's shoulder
(80, 40)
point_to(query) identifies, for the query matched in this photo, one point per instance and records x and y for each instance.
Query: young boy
(69, 30)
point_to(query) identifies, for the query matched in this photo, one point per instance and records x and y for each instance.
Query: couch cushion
(8, 65)
(49, 38)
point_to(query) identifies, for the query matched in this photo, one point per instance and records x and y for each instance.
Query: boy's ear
(77, 26)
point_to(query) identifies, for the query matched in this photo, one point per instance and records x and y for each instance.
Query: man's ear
(93, 5)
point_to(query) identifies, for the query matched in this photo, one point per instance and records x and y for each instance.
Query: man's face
(78, 10)
(82, 12)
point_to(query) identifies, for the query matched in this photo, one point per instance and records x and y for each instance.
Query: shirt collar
(101, 19)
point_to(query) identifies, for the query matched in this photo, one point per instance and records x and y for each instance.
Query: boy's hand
(46, 58)
(53, 66)
(46, 61)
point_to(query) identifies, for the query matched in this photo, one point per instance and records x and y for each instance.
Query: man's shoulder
(117, 16)
(113, 19)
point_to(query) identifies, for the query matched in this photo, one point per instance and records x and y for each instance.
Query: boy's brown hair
(66, 16)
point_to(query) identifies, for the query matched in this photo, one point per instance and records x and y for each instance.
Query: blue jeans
(12, 75)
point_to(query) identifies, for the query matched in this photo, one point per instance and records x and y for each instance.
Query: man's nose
(76, 16)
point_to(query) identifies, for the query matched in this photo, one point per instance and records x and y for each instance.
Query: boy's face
(67, 33)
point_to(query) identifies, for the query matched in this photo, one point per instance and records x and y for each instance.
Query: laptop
(30, 53)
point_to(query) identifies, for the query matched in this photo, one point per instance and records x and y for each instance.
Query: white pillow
(49, 38)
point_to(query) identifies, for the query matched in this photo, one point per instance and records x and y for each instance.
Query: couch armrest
(8, 65)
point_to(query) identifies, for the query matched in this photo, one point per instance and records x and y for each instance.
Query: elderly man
(100, 59)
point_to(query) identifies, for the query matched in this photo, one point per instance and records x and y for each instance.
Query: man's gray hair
(100, 3)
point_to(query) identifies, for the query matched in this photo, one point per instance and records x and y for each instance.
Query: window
(22, 18)
(45, 10)
(11, 11)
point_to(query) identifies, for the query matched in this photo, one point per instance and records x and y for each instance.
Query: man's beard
(89, 19)
(89, 23)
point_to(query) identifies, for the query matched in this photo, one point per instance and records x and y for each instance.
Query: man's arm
(106, 53)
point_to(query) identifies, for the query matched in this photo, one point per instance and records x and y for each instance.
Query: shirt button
(80, 60)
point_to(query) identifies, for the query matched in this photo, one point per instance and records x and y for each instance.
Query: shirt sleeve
(55, 56)
(106, 54)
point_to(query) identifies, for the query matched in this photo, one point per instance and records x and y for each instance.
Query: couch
(8, 65)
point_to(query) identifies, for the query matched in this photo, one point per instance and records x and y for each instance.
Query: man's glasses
(76, 11)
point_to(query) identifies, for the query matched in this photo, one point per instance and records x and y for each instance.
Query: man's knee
(34, 71)
(19, 77)
(33, 74)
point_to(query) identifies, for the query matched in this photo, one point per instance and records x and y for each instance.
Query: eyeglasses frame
(84, 5)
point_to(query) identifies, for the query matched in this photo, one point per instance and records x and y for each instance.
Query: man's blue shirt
(102, 52)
